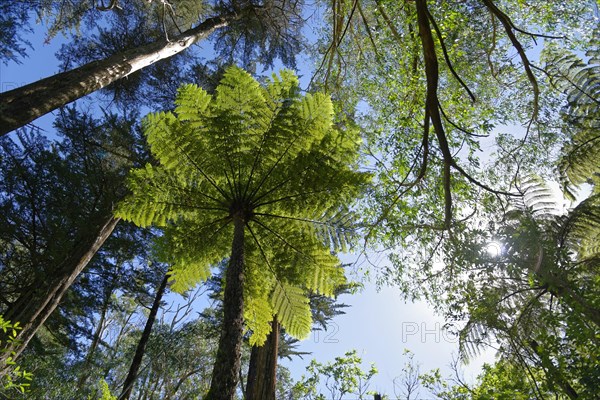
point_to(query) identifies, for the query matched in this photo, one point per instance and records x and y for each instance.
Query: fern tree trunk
(227, 363)
(141, 347)
(262, 374)
(32, 309)
(22, 105)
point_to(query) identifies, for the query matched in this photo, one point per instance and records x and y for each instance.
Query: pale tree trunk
(262, 373)
(227, 362)
(141, 347)
(22, 105)
(33, 309)
(85, 374)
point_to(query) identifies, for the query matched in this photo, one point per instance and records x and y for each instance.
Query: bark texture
(141, 347)
(20, 106)
(227, 363)
(262, 373)
(33, 308)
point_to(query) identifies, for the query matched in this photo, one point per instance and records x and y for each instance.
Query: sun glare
(494, 249)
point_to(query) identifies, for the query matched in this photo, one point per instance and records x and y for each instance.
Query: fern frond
(188, 272)
(538, 198)
(192, 249)
(258, 314)
(472, 339)
(582, 228)
(292, 308)
(192, 103)
(156, 208)
(580, 81)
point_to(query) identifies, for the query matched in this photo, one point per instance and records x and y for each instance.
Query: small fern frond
(337, 229)
(191, 250)
(187, 273)
(292, 308)
(324, 275)
(157, 207)
(472, 339)
(258, 314)
(538, 199)
(192, 103)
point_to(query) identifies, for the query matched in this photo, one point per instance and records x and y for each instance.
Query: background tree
(542, 287)
(136, 362)
(14, 24)
(503, 379)
(41, 216)
(273, 29)
(263, 369)
(451, 80)
(342, 378)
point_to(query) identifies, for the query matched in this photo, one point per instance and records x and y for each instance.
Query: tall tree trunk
(262, 373)
(141, 347)
(227, 362)
(33, 315)
(22, 105)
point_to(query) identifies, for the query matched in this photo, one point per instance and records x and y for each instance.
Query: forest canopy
(191, 208)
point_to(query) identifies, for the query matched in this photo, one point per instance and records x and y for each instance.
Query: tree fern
(580, 81)
(260, 175)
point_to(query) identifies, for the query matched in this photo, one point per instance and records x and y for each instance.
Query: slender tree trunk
(33, 315)
(227, 363)
(141, 347)
(95, 341)
(22, 105)
(262, 373)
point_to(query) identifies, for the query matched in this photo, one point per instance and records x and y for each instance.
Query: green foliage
(105, 391)
(14, 23)
(580, 81)
(502, 380)
(15, 378)
(266, 153)
(293, 312)
(343, 377)
(542, 290)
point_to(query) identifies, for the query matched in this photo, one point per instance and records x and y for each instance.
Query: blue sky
(379, 324)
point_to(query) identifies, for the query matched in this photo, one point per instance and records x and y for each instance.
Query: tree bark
(141, 347)
(22, 105)
(33, 315)
(262, 373)
(227, 362)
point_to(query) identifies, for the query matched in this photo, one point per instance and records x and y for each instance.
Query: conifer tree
(259, 175)
(241, 30)
(56, 202)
